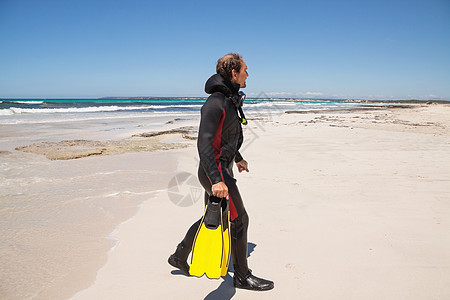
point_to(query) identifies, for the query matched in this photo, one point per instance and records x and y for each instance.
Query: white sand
(342, 206)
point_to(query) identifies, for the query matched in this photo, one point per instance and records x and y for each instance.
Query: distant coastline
(412, 101)
(443, 101)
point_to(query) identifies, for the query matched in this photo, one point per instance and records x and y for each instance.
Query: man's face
(241, 77)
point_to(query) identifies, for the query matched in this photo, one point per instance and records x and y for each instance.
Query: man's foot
(250, 282)
(179, 264)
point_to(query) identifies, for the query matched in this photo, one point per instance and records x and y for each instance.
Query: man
(219, 139)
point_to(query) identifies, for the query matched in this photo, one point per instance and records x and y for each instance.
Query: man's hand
(242, 165)
(219, 190)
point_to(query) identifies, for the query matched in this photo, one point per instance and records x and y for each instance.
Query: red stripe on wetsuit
(216, 144)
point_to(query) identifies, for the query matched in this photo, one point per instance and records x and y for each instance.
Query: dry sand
(342, 206)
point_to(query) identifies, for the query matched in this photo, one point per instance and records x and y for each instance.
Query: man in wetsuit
(219, 139)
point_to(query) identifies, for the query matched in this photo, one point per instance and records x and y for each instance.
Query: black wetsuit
(219, 139)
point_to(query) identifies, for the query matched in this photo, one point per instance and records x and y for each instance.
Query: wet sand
(62, 196)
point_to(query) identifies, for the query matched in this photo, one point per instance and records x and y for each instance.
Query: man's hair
(228, 63)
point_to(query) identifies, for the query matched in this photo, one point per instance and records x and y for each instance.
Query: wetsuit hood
(217, 83)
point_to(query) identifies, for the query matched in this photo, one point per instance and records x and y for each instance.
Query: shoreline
(64, 244)
(112, 236)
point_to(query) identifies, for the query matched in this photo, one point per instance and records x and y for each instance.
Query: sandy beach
(342, 205)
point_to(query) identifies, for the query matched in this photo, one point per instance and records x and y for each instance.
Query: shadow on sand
(226, 289)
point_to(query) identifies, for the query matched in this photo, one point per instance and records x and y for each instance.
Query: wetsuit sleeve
(238, 157)
(211, 115)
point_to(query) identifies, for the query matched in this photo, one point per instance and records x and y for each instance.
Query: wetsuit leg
(238, 225)
(185, 247)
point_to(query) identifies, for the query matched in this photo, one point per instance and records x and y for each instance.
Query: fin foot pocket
(211, 248)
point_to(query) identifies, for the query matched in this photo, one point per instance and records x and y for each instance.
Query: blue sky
(309, 49)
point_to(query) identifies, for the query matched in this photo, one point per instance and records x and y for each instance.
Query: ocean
(29, 111)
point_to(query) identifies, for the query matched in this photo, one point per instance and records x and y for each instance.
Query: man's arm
(238, 157)
(211, 115)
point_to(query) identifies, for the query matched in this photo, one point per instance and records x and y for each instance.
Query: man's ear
(233, 74)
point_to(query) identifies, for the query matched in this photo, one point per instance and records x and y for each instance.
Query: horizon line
(204, 97)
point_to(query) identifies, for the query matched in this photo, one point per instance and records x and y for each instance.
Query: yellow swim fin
(208, 249)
